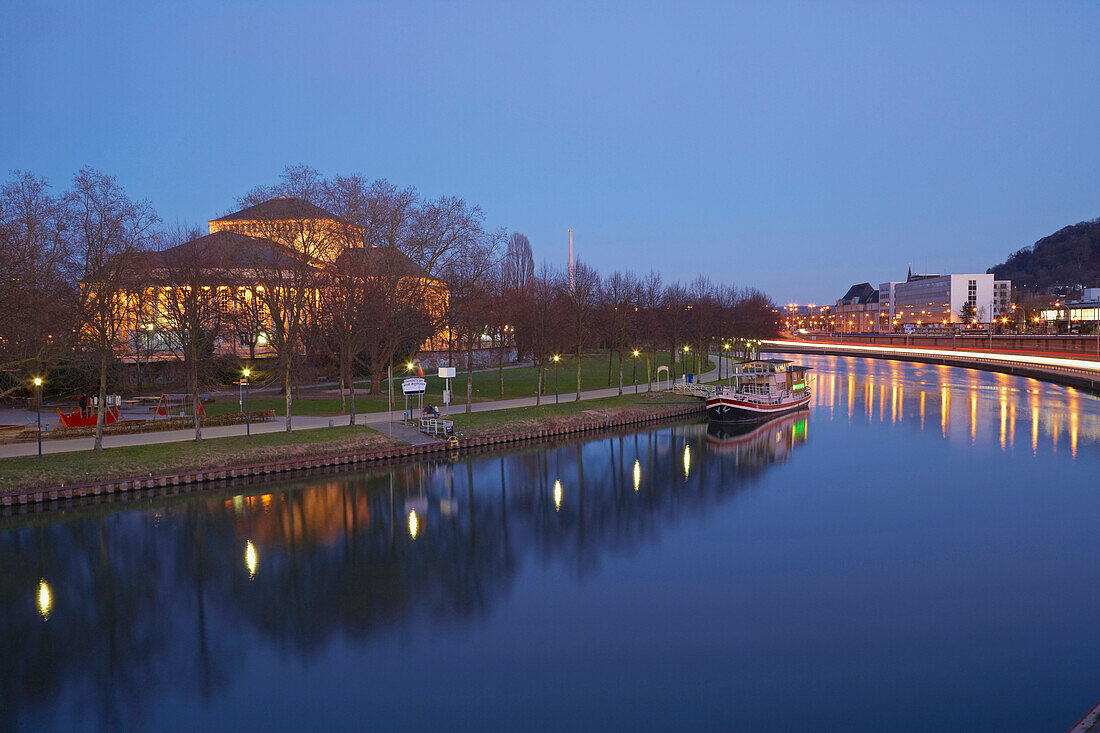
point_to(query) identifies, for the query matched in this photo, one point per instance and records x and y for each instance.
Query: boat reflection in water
(758, 442)
(161, 595)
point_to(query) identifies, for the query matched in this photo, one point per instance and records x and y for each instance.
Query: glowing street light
(247, 402)
(556, 359)
(38, 402)
(635, 371)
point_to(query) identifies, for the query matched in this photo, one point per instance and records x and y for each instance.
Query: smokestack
(571, 260)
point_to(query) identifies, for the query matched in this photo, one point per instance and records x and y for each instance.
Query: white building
(886, 292)
(939, 299)
(1002, 298)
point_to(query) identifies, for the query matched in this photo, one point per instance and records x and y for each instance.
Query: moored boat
(759, 390)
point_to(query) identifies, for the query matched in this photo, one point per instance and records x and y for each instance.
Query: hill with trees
(1069, 256)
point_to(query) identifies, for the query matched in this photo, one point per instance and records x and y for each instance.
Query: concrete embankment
(1080, 373)
(178, 482)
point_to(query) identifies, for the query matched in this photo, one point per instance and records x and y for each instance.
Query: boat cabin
(769, 377)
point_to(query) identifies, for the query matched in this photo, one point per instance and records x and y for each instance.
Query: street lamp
(38, 401)
(686, 350)
(247, 402)
(635, 371)
(556, 359)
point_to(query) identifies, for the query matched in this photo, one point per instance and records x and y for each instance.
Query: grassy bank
(87, 466)
(550, 415)
(518, 382)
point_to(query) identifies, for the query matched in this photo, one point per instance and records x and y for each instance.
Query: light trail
(1029, 360)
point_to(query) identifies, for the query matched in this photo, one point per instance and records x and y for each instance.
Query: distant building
(1002, 298)
(940, 299)
(1086, 310)
(886, 293)
(858, 310)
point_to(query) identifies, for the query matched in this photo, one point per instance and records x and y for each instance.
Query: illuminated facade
(931, 300)
(280, 234)
(857, 311)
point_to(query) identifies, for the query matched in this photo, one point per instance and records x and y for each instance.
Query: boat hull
(728, 408)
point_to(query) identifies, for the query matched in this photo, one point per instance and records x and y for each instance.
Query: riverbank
(66, 476)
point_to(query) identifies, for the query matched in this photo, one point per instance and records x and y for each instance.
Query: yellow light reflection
(637, 474)
(922, 409)
(1034, 427)
(557, 495)
(45, 598)
(973, 417)
(1073, 434)
(945, 409)
(687, 460)
(414, 524)
(251, 558)
(1004, 419)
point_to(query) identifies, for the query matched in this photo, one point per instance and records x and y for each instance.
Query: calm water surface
(920, 551)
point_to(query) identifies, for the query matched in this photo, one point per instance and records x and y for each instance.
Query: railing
(437, 427)
(694, 389)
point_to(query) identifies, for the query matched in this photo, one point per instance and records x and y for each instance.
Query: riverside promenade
(384, 422)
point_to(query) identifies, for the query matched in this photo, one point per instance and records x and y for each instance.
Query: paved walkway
(381, 421)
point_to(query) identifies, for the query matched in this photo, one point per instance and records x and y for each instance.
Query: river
(919, 551)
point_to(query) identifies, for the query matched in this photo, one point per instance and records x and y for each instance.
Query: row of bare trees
(545, 315)
(90, 277)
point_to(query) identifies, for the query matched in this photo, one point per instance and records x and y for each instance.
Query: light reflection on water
(994, 402)
(865, 557)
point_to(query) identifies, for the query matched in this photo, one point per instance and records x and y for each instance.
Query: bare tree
(34, 296)
(542, 321)
(194, 304)
(650, 300)
(468, 268)
(289, 278)
(583, 299)
(109, 230)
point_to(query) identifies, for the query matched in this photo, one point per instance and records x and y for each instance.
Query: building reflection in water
(154, 598)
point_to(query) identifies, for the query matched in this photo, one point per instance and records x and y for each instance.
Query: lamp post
(247, 403)
(686, 350)
(635, 371)
(556, 359)
(38, 401)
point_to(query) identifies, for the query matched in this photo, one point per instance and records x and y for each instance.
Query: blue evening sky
(798, 147)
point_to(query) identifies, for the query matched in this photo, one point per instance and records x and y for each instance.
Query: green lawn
(518, 382)
(527, 418)
(522, 381)
(84, 466)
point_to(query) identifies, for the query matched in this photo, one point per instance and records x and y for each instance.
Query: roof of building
(381, 259)
(227, 250)
(281, 207)
(861, 293)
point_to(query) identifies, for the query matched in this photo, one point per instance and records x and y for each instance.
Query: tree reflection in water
(169, 596)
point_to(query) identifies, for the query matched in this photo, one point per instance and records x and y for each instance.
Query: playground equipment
(175, 405)
(84, 416)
